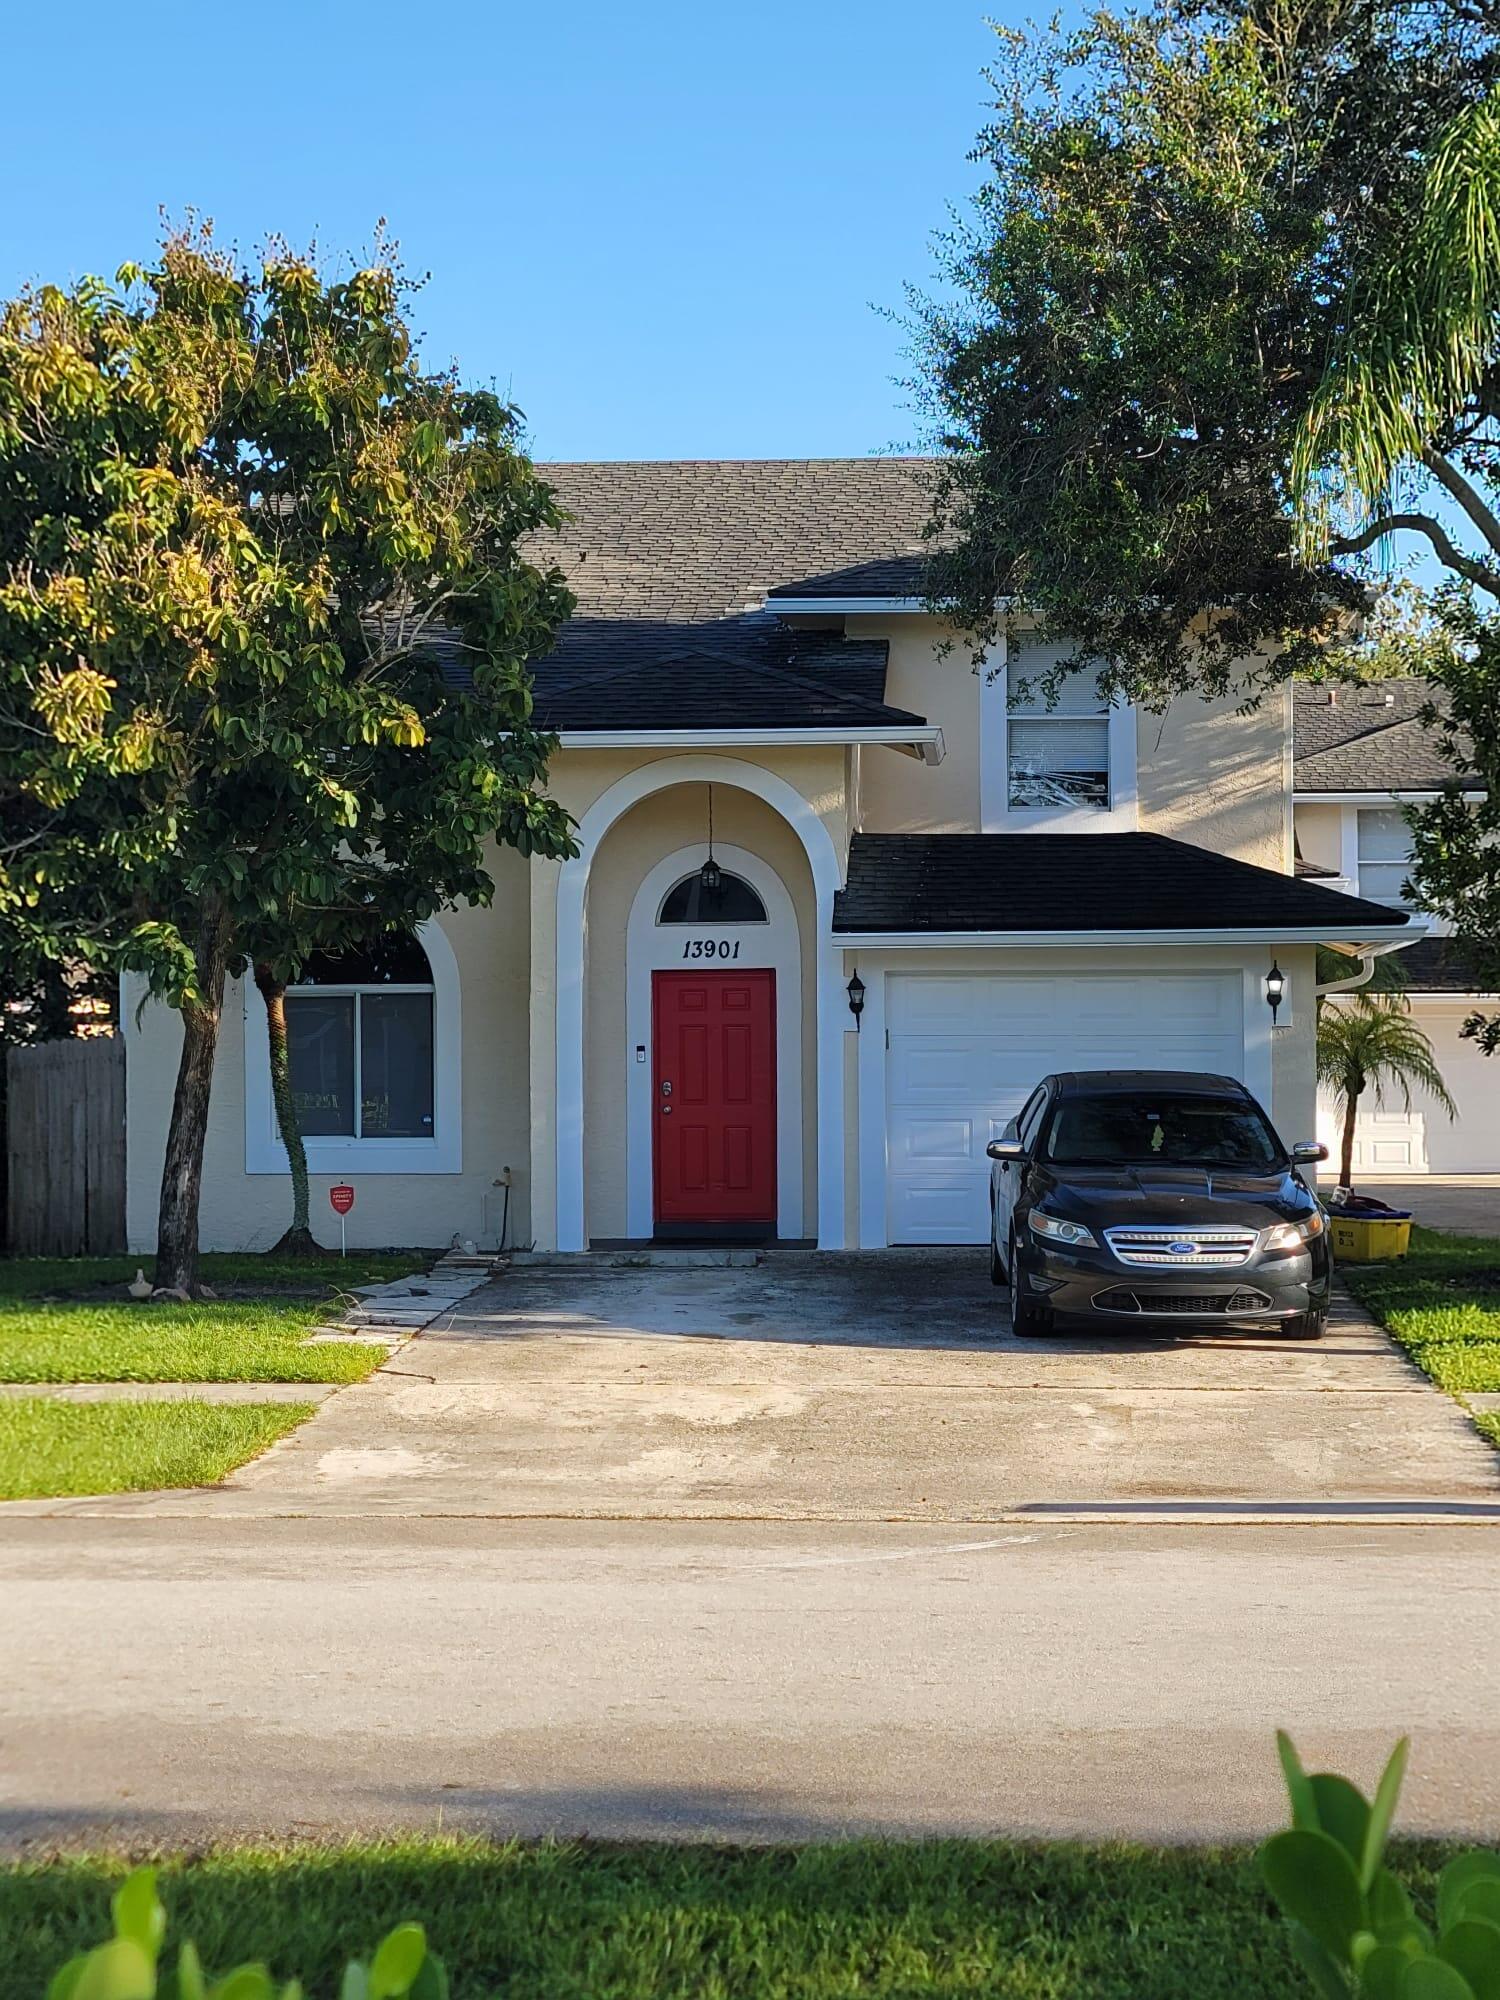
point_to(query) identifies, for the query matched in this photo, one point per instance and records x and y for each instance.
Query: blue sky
(660, 227)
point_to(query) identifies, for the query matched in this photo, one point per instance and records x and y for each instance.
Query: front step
(646, 1257)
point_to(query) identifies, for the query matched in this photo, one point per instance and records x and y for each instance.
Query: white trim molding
(850, 607)
(572, 958)
(1377, 798)
(1372, 938)
(652, 947)
(441, 1154)
(924, 740)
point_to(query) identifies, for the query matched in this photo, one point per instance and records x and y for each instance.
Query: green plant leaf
(66, 1977)
(1319, 1965)
(1380, 1975)
(1479, 1898)
(1298, 1785)
(1343, 1813)
(1477, 1865)
(1391, 1914)
(1472, 1947)
(397, 1961)
(119, 1970)
(1431, 1979)
(356, 1982)
(1383, 1812)
(138, 1912)
(1313, 1880)
(431, 1983)
(246, 1982)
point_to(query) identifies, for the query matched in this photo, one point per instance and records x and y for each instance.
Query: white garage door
(966, 1049)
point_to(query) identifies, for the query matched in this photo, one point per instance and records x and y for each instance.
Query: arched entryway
(822, 1054)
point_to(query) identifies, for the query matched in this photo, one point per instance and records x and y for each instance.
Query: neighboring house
(1014, 889)
(1361, 753)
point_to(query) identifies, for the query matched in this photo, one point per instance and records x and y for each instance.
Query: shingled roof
(690, 539)
(1082, 881)
(1369, 739)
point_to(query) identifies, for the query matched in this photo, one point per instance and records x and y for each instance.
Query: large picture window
(1058, 758)
(359, 1029)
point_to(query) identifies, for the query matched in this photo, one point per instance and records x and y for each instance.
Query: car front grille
(1200, 1305)
(1210, 1249)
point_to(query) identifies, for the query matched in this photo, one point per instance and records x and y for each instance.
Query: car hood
(1176, 1196)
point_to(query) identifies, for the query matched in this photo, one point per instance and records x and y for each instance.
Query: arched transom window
(732, 902)
(359, 1029)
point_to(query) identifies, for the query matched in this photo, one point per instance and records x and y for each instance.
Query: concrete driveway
(877, 1388)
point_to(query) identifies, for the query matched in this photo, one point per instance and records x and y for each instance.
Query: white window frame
(336, 1153)
(1361, 862)
(998, 815)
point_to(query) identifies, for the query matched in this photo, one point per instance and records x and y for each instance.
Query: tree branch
(1448, 476)
(1477, 572)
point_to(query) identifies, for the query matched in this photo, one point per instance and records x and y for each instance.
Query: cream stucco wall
(1222, 780)
(243, 1211)
(1294, 1058)
(898, 793)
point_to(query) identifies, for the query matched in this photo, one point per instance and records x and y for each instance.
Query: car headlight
(1295, 1235)
(1053, 1229)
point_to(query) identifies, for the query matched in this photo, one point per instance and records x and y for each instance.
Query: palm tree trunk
(182, 1170)
(1346, 1151)
(298, 1240)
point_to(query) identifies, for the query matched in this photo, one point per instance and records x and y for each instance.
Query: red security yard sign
(342, 1200)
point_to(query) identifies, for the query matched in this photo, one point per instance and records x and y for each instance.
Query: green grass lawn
(1442, 1303)
(48, 1448)
(68, 1320)
(659, 1922)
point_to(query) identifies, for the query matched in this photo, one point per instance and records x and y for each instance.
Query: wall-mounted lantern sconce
(856, 991)
(1275, 990)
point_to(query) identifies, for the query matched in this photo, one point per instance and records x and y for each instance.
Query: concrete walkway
(845, 1389)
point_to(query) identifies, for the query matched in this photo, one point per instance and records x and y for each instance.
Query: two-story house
(839, 901)
(1362, 753)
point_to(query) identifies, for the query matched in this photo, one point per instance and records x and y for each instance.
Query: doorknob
(666, 1111)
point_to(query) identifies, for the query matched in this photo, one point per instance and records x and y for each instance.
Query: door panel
(967, 1049)
(714, 1096)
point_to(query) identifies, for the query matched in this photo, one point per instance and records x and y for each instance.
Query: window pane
(1382, 880)
(320, 1033)
(1384, 835)
(395, 1065)
(1055, 761)
(733, 902)
(1078, 694)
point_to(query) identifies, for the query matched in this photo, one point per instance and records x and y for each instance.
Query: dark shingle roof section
(689, 539)
(737, 673)
(1010, 882)
(1437, 965)
(1369, 739)
(897, 576)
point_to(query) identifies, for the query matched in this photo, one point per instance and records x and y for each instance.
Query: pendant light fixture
(710, 875)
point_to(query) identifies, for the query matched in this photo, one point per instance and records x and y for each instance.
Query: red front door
(714, 1096)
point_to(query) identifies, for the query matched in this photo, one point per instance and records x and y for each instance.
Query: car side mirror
(1006, 1149)
(1308, 1153)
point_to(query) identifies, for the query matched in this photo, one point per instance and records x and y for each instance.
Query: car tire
(997, 1268)
(1305, 1326)
(1027, 1319)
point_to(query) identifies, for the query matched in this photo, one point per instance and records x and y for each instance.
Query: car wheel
(1027, 1319)
(997, 1268)
(1305, 1326)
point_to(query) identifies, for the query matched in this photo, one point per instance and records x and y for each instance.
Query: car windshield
(1127, 1129)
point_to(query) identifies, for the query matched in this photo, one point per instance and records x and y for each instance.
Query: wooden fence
(65, 1148)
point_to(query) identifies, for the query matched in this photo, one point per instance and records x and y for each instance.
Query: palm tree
(1372, 1043)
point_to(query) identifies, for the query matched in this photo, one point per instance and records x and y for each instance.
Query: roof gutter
(1374, 942)
(920, 740)
(1386, 797)
(848, 607)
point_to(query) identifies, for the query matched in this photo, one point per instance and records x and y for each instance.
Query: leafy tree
(1370, 1042)
(240, 530)
(1212, 244)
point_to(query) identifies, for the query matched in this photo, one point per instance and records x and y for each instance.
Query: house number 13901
(710, 948)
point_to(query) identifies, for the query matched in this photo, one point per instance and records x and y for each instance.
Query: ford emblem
(1182, 1249)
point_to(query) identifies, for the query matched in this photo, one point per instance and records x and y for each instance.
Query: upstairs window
(1057, 759)
(733, 902)
(1385, 850)
(359, 1030)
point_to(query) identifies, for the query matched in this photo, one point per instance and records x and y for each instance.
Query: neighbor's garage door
(967, 1048)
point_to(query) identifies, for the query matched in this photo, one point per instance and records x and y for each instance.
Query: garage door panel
(966, 1051)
